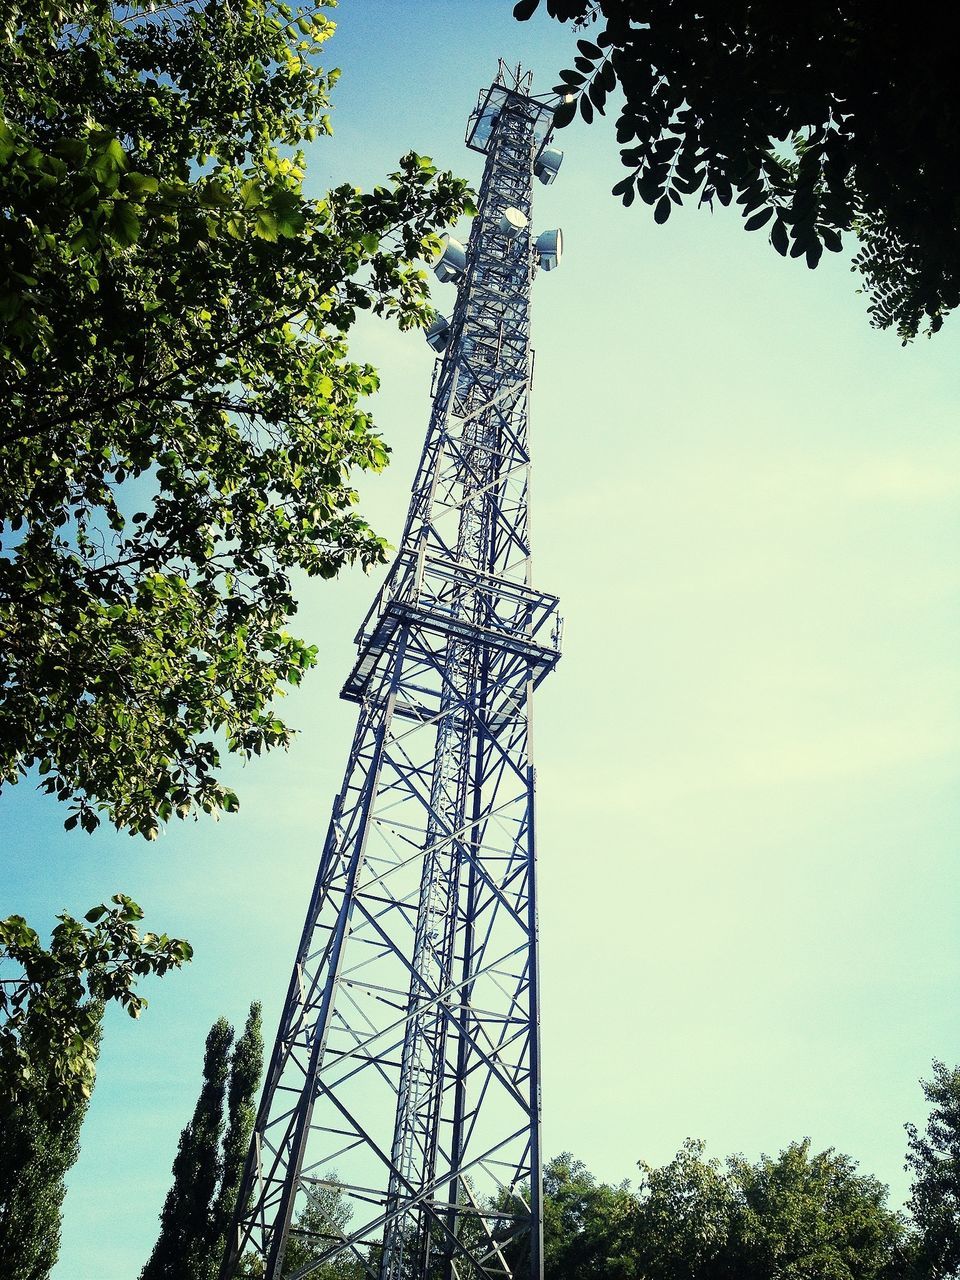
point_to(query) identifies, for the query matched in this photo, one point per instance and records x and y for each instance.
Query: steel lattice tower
(404, 1082)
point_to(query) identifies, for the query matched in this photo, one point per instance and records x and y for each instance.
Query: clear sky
(747, 501)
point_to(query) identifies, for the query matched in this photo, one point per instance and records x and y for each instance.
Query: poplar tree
(37, 1150)
(52, 1000)
(185, 1241)
(246, 1066)
(200, 1204)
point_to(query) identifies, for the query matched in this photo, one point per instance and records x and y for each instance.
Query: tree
(801, 1216)
(181, 421)
(246, 1067)
(582, 1221)
(186, 1221)
(934, 1159)
(51, 1011)
(199, 1207)
(323, 1218)
(37, 1151)
(805, 1214)
(680, 1229)
(816, 120)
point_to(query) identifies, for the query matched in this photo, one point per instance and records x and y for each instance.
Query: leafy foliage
(682, 1220)
(37, 1149)
(246, 1067)
(50, 1010)
(199, 1207)
(583, 1220)
(186, 1224)
(791, 1218)
(181, 421)
(805, 1214)
(933, 1157)
(810, 134)
(323, 1218)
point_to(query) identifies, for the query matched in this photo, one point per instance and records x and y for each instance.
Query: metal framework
(399, 1127)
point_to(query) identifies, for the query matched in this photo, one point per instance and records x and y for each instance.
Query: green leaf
(141, 184)
(73, 149)
(124, 224)
(266, 227)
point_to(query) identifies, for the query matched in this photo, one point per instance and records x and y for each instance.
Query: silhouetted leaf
(758, 220)
(778, 237)
(730, 80)
(565, 113)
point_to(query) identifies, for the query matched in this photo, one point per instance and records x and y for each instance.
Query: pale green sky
(747, 759)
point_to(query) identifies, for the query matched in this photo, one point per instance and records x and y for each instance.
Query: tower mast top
(511, 85)
(514, 78)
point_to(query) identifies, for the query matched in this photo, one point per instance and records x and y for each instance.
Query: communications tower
(399, 1128)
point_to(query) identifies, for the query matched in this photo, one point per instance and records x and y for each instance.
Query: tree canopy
(799, 1215)
(814, 120)
(38, 1146)
(208, 1166)
(808, 1213)
(187, 1232)
(933, 1157)
(52, 1001)
(51, 1008)
(181, 421)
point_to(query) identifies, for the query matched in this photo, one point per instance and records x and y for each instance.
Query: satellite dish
(452, 261)
(547, 164)
(512, 222)
(549, 249)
